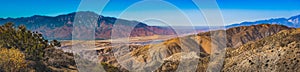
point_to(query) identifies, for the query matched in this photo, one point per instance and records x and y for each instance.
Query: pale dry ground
(100, 44)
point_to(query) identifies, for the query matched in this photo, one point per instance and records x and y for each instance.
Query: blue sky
(233, 11)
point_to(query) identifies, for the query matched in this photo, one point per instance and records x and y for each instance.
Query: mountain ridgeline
(61, 27)
(235, 36)
(290, 22)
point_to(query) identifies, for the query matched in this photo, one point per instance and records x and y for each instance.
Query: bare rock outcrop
(277, 53)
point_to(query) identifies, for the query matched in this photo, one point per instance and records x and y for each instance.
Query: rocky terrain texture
(279, 52)
(238, 36)
(196, 49)
(262, 47)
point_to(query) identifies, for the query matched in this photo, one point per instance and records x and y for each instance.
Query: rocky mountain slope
(237, 36)
(263, 47)
(169, 53)
(61, 27)
(275, 53)
(279, 52)
(211, 40)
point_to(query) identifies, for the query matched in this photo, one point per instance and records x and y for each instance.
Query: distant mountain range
(290, 22)
(61, 27)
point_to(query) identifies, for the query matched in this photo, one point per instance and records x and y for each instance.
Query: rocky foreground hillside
(191, 50)
(279, 53)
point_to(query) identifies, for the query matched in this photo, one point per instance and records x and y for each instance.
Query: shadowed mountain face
(61, 27)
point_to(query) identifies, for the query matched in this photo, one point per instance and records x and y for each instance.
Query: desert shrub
(30, 46)
(31, 43)
(12, 60)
